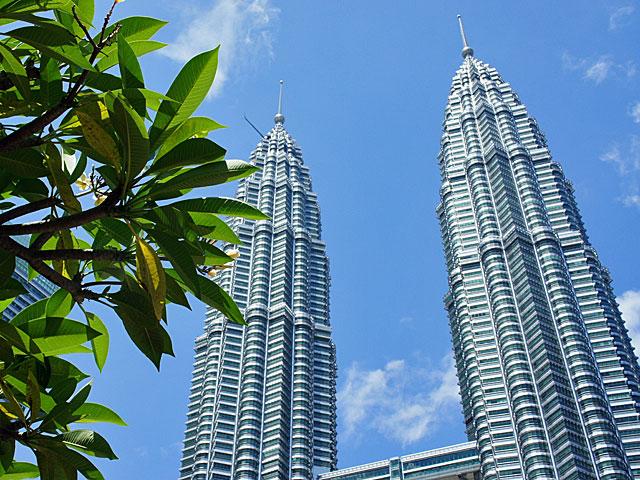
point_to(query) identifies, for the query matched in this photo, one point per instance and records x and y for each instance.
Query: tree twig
(83, 28)
(28, 208)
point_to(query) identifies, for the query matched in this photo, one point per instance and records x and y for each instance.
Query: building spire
(279, 118)
(467, 51)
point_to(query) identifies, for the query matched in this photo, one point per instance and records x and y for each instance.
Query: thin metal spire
(279, 118)
(466, 49)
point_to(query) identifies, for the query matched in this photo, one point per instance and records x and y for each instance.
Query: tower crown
(467, 51)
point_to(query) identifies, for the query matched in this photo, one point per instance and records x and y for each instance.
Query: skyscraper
(262, 402)
(548, 376)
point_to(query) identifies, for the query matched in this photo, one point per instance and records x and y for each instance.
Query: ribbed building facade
(37, 288)
(262, 403)
(548, 376)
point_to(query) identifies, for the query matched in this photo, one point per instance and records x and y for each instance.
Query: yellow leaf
(98, 137)
(151, 275)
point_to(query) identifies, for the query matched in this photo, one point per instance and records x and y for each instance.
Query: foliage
(78, 124)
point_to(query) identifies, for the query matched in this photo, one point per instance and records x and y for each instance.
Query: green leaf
(15, 6)
(214, 296)
(25, 162)
(204, 176)
(88, 442)
(59, 304)
(61, 391)
(61, 369)
(33, 396)
(151, 275)
(50, 81)
(136, 312)
(93, 127)
(104, 82)
(212, 255)
(96, 413)
(191, 127)
(9, 291)
(84, 10)
(129, 66)
(53, 41)
(57, 462)
(7, 452)
(189, 89)
(15, 70)
(133, 136)
(60, 180)
(53, 466)
(21, 471)
(175, 292)
(55, 336)
(7, 266)
(109, 57)
(220, 230)
(63, 413)
(99, 344)
(194, 151)
(116, 229)
(178, 253)
(136, 28)
(35, 310)
(18, 339)
(221, 206)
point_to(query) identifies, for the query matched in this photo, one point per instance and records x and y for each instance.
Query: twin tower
(549, 381)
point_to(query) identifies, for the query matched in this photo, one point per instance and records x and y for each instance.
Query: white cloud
(599, 69)
(614, 157)
(629, 303)
(242, 28)
(632, 200)
(401, 401)
(619, 16)
(635, 112)
(626, 160)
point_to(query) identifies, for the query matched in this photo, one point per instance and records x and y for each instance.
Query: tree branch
(107, 208)
(102, 283)
(79, 254)
(28, 208)
(74, 288)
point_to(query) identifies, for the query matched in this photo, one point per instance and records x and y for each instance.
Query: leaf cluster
(96, 172)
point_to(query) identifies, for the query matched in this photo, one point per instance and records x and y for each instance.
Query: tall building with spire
(548, 377)
(262, 403)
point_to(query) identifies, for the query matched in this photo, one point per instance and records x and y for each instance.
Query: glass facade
(262, 403)
(37, 289)
(547, 373)
(457, 462)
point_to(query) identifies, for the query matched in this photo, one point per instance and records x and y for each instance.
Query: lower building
(457, 462)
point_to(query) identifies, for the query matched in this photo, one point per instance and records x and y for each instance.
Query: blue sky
(366, 85)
